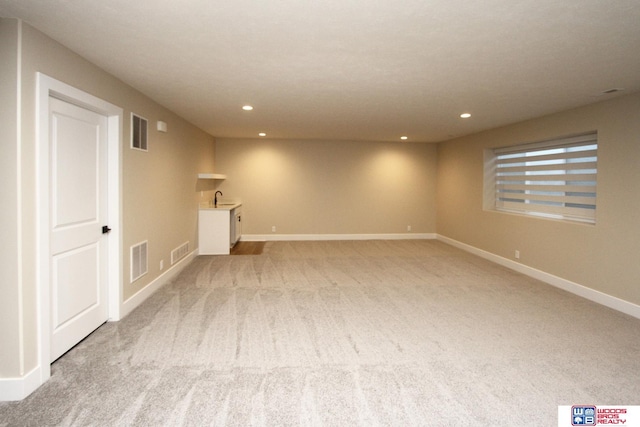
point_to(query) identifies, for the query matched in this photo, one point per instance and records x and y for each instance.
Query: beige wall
(604, 256)
(330, 187)
(9, 261)
(160, 187)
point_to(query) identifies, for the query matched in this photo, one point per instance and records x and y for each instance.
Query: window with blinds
(555, 179)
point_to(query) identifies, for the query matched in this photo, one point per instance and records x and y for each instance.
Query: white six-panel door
(78, 154)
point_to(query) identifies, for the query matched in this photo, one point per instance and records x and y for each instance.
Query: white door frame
(46, 87)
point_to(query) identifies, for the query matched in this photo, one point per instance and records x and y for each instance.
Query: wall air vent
(139, 261)
(610, 91)
(180, 252)
(138, 132)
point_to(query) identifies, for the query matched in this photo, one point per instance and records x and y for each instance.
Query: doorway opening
(50, 91)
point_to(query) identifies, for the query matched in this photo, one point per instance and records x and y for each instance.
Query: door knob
(105, 229)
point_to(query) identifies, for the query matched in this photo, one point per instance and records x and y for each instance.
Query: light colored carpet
(352, 333)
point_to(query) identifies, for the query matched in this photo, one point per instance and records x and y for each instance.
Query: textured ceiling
(353, 69)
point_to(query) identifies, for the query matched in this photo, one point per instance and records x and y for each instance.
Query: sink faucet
(215, 198)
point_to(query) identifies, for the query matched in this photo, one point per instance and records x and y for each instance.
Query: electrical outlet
(273, 228)
(517, 254)
(408, 228)
(161, 264)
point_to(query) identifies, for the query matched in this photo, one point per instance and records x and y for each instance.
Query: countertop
(221, 206)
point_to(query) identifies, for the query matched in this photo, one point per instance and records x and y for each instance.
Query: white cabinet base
(218, 229)
(214, 229)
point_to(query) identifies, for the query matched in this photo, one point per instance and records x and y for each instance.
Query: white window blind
(553, 178)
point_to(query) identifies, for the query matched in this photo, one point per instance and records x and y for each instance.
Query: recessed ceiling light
(262, 134)
(404, 137)
(465, 115)
(247, 108)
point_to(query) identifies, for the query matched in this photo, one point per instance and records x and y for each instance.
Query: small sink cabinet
(219, 229)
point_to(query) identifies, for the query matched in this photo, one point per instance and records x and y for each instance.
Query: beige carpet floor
(348, 333)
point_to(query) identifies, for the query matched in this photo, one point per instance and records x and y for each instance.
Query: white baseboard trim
(12, 389)
(607, 300)
(139, 297)
(301, 237)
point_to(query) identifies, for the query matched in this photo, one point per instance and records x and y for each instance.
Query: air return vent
(139, 261)
(180, 252)
(610, 91)
(138, 132)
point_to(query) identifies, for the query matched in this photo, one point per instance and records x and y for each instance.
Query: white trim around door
(48, 87)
